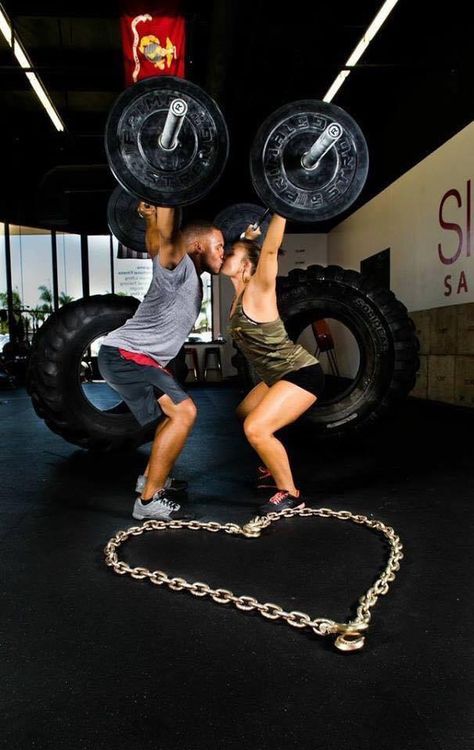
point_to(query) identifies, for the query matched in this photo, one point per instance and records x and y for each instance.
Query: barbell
(167, 144)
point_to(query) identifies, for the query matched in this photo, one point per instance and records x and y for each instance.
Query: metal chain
(349, 634)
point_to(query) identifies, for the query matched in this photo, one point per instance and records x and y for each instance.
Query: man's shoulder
(184, 271)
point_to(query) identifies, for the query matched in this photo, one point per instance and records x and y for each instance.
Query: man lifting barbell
(133, 358)
(167, 144)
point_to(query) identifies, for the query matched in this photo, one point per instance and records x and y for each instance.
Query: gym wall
(408, 218)
(425, 218)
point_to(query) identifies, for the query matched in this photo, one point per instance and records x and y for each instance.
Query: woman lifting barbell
(292, 379)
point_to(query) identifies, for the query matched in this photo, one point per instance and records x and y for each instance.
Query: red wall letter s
(449, 225)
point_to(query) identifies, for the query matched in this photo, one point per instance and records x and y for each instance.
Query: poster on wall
(132, 277)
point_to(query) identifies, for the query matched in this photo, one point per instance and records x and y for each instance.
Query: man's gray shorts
(139, 385)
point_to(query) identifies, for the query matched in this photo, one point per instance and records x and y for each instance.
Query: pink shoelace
(278, 497)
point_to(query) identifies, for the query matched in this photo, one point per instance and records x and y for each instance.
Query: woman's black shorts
(310, 378)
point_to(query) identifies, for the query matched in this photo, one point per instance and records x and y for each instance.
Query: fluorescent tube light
(25, 63)
(379, 19)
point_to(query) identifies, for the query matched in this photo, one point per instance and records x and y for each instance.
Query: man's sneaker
(160, 506)
(177, 485)
(264, 479)
(282, 500)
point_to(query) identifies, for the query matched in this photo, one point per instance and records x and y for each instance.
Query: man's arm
(171, 250)
(267, 268)
(152, 236)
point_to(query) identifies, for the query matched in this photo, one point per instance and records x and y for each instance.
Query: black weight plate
(141, 166)
(124, 221)
(279, 178)
(234, 220)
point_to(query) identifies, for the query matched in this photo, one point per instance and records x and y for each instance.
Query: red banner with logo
(153, 40)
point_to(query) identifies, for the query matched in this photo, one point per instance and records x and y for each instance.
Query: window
(69, 267)
(202, 330)
(3, 291)
(3, 262)
(100, 277)
(32, 277)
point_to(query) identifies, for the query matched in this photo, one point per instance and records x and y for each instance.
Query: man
(133, 358)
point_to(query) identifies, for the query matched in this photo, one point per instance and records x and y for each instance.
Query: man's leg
(161, 425)
(168, 442)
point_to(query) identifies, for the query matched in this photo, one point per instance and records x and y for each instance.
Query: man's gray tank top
(166, 315)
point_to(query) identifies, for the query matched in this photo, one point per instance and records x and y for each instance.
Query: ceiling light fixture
(25, 63)
(379, 19)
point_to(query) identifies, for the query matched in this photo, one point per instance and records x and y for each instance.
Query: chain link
(348, 635)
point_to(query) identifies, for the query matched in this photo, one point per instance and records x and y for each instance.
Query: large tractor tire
(382, 329)
(58, 369)
(385, 334)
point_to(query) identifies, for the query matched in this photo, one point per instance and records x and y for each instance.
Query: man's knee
(186, 411)
(183, 411)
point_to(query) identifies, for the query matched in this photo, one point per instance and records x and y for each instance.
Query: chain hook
(350, 637)
(350, 641)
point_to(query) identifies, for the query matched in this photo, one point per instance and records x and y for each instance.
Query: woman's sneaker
(177, 485)
(282, 500)
(160, 506)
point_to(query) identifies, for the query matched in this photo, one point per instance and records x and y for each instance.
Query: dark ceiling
(411, 92)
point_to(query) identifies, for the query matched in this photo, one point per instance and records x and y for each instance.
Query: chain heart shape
(349, 635)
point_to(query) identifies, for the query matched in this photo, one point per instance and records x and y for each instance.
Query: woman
(292, 379)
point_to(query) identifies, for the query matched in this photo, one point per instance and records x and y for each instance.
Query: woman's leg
(251, 400)
(282, 405)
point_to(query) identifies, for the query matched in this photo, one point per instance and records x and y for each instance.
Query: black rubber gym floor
(92, 660)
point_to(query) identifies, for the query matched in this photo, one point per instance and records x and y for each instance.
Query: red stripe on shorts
(142, 359)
